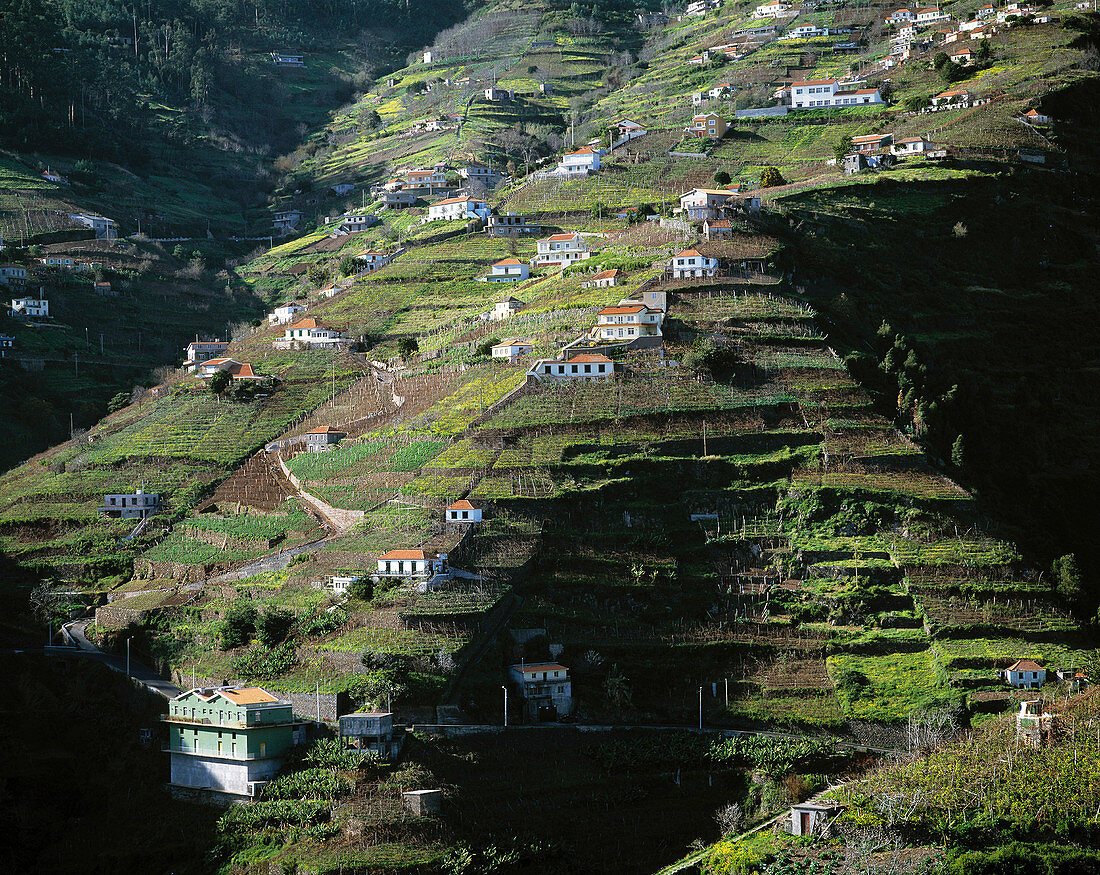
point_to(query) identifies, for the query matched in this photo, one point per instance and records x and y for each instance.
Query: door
(806, 823)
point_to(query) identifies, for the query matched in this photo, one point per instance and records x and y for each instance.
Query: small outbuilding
(463, 512)
(810, 818)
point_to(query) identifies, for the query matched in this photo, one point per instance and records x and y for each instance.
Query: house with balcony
(510, 225)
(505, 308)
(706, 203)
(62, 262)
(545, 688)
(709, 125)
(399, 200)
(130, 505)
(13, 274)
(561, 249)
(901, 16)
(586, 366)
(230, 740)
(628, 130)
(105, 229)
(627, 321)
(605, 279)
(370, 259)
(453, 208)
(203, 350)
(411, 563)
(692, 264)
(372, 730)
(353, 223)
(30, 307)
(931, 15)
(462, 512)
(771, 10)
(580, 163)
(284, 314)
(285, 221)
(425, 178)
(508, 270)
(814, 93)
(477, 173)
(309, 332)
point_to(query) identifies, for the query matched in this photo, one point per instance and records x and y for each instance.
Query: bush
(237, 627)
(721, 177)
(1023, 859)
(771, 177)
(362, 588)
(273, 626)
(117, 402)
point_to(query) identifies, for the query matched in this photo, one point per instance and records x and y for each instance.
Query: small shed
(808, 818)
(463, 512)
(423, 802)
(321, 439)
(371, 731)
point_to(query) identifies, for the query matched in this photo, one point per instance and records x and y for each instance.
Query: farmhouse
(952, 97)
(510, 225)
(709, 125)
(310, 332)
(12, 274)
(587, 366)
(342, 188)
(1025, 673)
(705, 203)
(476, 173)
(827, 92)
(927, 16)
(457, 208)
(511, 348)
(61, 261)
(901, 15)
(399, 200)
(1034, 117)
(806, 31)
(105, 229)
(130, 505)
(771, 10)
(322, 439)
(718, 229)
(986, 11)
(496, 95)
(582, 161)
(509, 270)
(237, 370)
(505, 308)
(961, 55)
(1034, 727)
(602, 280)
(51, 176)
(104, 289)
(283, 314)
(911, 146)
(545, 688)
(690, 263)
(356, 222)
(425, 178)
(372, 260)
(7, 341)
(370, 730)
(228, 740)
(30, 307)
(203, 350)
(627, 322)
(411, 563)
(628, 130)
(871, 142)
(562, 249)
(463, 511)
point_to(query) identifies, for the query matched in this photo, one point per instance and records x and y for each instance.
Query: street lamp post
(505, 706)
(127, 657)
(700, 707)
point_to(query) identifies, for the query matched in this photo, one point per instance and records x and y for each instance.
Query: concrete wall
(227, 776)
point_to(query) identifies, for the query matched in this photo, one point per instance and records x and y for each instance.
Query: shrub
(238, 626)
(771, 177)
(721, 177)
(273, 626)
(362, 588)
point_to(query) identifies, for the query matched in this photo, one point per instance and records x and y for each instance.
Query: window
(465, 514)
(587, 370)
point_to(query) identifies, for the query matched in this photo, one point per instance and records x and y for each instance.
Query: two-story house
(627, 322)
(105, 229)
(13, 274)
(814, 93)
(203, 350)
(425, 178)
(505, 308)
(580, 162)
(309, 332)
(561, 249)
(510, 225)
(284, 314)
(705, 203)
(691, 263)
(457, 208)
(871, 142)
(370, 259)
(709, 125)
(229, 740)
(130, 505)
(322, 439)
(901, 16)
(545, 688)
(1026, 674)
(399, 200)
(30, 307)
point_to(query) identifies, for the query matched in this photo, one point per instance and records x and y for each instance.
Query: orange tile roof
(241, 369)
(542, 666)
(324, 429)
(588, 358)
(1026, 665)
(308, 322)
(249, 696)
(606, 274)
(689, 253)
(719, 223)
(417, 555)
(564, 236)
(456, 200)
(507, 261)
(814, 82)
(623, 311)
(462, 504)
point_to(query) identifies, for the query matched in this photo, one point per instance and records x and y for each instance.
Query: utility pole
(700, 707)
(505, 706)
(727, 693)
(318, 701)
(704, 437)
(127, 657)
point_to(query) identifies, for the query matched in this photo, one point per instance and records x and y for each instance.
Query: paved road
(87, 650)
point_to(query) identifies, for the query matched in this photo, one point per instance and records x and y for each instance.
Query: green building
(228, 739)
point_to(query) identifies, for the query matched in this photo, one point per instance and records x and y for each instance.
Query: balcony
(223, 724)
(223, 755)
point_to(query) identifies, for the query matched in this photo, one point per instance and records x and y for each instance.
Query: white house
(871, 142)
(602, 280)
(457, 208)
(509, 270)
(30, 307)
(411, 563)
(496, 95)
(961, 55)
(952, 97)
(342, 188)
(828, 92)
(690, 263)
(310, 332)
(1034, 117)
(718, 229)
(130, 505)
(323, 439)
(987, 11)
(462, 511)
(771, 10)
(476, 173)
(429, 56)
(353, 224)
(911, 146)
(587, 366)
(511, 348)
(628, 130)
(927, 16)
(1025, 673)
(283, 314)
(237, 370)
(425, 178)
(805, 31)
(627, 322)
(582, 161)
(698, 8)
(723, 89)
(705, 203)
(545, 688)
(399, 200)
(510, 225)
(899, 16)
(203, 350)
(52, 176)
(563, 249)
(59, 261)
(371, 259)
(105, 229)
(505, 308)
(286, 220)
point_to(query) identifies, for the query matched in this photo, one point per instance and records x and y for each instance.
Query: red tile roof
(588, 358)
(249, 696)
(1026, 665)
(623, 311)
(507, 261)
(606, 274)
(572, 236)
(542, 666)
(325, 429)
(689, 253)
(814, 82)
(416, 555)
(462, 504)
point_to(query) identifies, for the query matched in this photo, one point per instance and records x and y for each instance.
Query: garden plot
(1023, 616)
(971, 551)
(914, 483)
